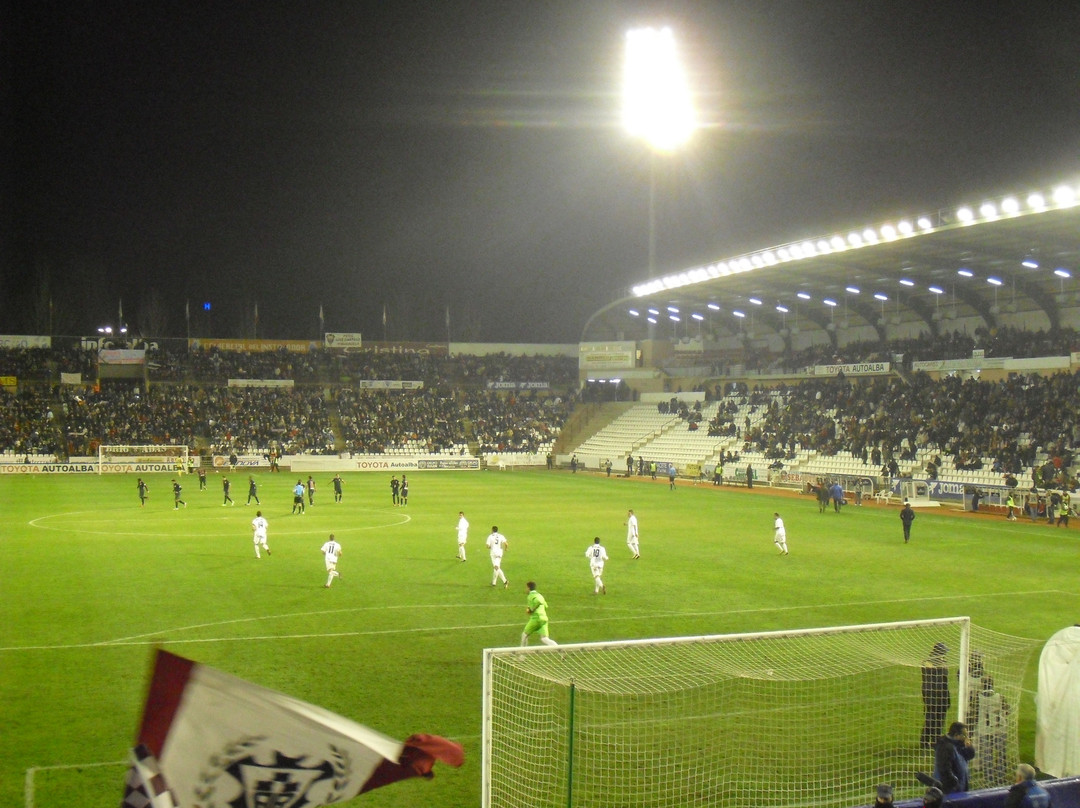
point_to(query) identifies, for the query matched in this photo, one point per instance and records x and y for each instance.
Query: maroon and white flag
(222, 742)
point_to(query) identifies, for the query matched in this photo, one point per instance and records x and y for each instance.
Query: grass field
(92, 583)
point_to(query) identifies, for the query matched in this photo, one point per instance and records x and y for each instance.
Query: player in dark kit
(404, 490)
(310, 490)
(176, 489)
(225, 486)
(143, 490)
(202, 478)
(338, 483)
(395, 486)
(253, 492)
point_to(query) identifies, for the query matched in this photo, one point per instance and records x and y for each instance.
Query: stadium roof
(1016, 255)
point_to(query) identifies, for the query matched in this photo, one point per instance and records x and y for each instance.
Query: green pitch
(92, 583)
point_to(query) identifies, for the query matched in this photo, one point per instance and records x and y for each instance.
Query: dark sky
(469, 154)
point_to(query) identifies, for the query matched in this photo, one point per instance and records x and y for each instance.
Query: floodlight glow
(656, 97)
(881, 297)
(635, 313)
(870, 235)
(673, 309)
(769, 257)
(654, 312)
(651, 320)
(784, 254)
(994, 281)
(1064, 196)
(674, 318)
(965, 215)
(937, 290)
(1062, 273)
(824, 247)
(906, 282)
(802, 295)
(1010, 206)
(808, 248)
(852, 289)
(738, 313)
(1030, 263)
(888, 232)
(838, 243)
(829, 302)
(754, 300)
(757, 261)
(925, 224)
(697, 316)
(782, 309)
(1036, 202)
(854, 239)
(714, 307)
(905, 228)
(966, 273)
(988, 210)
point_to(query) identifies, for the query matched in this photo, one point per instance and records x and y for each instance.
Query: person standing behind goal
(597, 555)
(331, 551)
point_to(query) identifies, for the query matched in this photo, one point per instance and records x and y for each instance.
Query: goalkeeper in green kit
(536, 608)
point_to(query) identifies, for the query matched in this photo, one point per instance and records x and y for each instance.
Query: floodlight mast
(657, 106)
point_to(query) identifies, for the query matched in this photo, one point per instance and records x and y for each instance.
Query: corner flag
(221, 741)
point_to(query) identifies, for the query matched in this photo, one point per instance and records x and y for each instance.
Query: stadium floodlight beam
(657, 106)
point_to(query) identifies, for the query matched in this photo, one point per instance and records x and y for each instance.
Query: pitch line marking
(139, 641)
(37, 523)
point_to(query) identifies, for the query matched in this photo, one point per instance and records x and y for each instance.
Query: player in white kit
(331, 550)
(597, 555)
(497, 543)
(462, 534)
(632, 533)
(258, 529)
(780, 534)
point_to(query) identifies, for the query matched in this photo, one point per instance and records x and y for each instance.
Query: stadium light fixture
(907, 282)
(1029, 263)
(1010, 206)
(994, 281)
(965, 273)
(1036, 202)
(882, 297)
(1062, 273)
(651, 320)
(802, 295)
(674, 318)
(635, 313)
(937, 290)
(657, 105)
(965, 215)
(828, 301)
(673, 309)
(654, 312)
(1064, 196)
(852, 290)
(754, 300)
(714, 307)
(698, 317)
(738, 314)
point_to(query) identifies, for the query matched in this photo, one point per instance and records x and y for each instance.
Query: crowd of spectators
(516, 422)
(29, 424)
(251, 420)
(374, 421)
(126, 414)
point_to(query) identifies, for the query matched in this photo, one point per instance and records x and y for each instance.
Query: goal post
(129, 457)
(813, 717)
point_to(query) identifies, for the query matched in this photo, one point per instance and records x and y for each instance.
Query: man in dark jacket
(951, 755)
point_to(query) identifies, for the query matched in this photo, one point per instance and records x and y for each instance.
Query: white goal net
(815, 717)
(143, 458)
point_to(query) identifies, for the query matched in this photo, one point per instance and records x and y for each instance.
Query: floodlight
(673, 309)
(654, 312)
(635, 313)
(1064, 196)
(674, 318)
(905, 228)
(1036, 202)
(697, 316)
(714, 307)
(879, 296)
(870, 235)
(652, 320)
(829, 302)
(854, 290)
(988, 210)
(994, 281)
(965, 215)
(966, 273)
(937, 290)
(1009, 205)
(656, 96)
(802, 295)
(1062, 273)
(782, 309)
(738, 313)
(1030, 263)
(906, 282)
(838, 243)
(924, 223)
(754, 300)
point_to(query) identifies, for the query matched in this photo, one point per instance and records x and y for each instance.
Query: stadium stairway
(334, 416)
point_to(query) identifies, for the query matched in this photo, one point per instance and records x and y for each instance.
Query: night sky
(357, 155)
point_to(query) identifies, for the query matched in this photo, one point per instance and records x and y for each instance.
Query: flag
(448, 317)
(222, 741)
(187, 311)
(120, 315)
(145, 787)
(321, 326)
(384, 314)
(256, 314)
